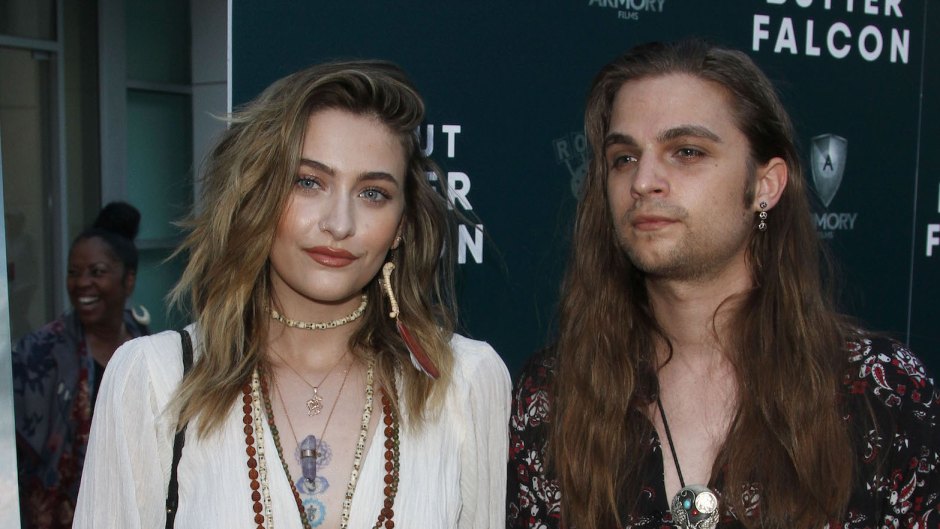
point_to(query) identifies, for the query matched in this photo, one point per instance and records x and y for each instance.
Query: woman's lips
(83, 304)
(87, 300)
(332, 257)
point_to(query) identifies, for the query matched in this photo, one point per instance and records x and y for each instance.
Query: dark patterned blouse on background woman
(55, 382)
(904, 492)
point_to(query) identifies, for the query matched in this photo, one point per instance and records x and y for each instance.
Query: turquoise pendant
(695, 507)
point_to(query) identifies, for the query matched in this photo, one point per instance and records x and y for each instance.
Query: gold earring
(387, 269)
(419, 358)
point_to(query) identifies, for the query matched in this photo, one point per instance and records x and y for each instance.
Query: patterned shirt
(903, 493)
(54, 386)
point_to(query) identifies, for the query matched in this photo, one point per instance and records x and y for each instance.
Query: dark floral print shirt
(904, 493)
(54, 385)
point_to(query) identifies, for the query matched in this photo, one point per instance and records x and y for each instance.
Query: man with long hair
(701, 375)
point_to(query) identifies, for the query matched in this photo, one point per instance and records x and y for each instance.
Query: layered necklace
(312, 447)
(694, 506)
(315, 402)
(255, 394)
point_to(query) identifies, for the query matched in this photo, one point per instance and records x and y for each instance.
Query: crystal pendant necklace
(310, 447)
(694, 506)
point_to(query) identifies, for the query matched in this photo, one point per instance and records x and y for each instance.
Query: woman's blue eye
(374, 195)
(305, 182)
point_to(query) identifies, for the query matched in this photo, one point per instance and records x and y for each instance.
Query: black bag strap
(172, 490)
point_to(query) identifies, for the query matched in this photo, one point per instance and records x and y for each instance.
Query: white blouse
(452, 470)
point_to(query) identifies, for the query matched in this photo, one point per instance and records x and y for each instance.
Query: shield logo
(828, 164)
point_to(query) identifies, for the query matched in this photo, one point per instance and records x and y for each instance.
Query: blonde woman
(328, 389)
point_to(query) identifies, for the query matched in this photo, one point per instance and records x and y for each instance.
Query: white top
(452, 471)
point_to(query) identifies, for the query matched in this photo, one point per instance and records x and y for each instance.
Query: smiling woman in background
(57, 369)
(328, 388)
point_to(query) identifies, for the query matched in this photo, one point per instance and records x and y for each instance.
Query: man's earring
(762, 215)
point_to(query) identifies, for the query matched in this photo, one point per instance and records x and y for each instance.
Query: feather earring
(419, 358)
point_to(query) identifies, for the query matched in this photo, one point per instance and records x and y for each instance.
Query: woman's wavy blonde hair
(248, 180)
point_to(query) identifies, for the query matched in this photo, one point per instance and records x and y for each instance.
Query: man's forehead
(695, 84)
(688, 130)
(668, 106)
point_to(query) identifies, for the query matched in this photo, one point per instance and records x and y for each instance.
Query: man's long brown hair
(787, 436)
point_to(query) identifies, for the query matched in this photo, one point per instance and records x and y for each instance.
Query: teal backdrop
(505, 84)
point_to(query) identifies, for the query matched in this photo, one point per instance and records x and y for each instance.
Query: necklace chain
(317, 440)
(320, 326)
(694, 505)
(315, 402)
(672, 447)
(329, 415)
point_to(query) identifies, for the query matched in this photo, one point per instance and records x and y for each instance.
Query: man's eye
(689, 152)
(622, 160)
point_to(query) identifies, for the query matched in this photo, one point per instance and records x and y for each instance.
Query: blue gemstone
(687, 504)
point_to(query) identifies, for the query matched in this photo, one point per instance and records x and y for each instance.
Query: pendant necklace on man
(694, 506)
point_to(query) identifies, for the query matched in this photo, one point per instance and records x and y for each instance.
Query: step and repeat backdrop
(505, 83)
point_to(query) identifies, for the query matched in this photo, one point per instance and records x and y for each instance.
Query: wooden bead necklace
(256, 393)
(257, 468)
(391, 465)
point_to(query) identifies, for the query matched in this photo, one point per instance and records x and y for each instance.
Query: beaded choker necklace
(322, 325)
(254, 394)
